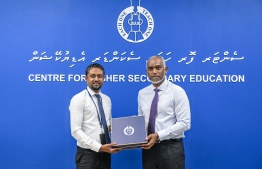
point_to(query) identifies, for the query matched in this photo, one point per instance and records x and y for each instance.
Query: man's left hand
(151, 141)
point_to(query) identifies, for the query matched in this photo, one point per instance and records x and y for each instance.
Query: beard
(96, 87)
(157, 82)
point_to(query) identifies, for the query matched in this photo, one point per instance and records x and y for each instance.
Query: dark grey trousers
(88, 159)
(164, 156)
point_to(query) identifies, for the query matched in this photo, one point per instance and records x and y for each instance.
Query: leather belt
(84, 149)
(170, 140)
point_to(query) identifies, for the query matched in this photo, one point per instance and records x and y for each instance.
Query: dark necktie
(103, 118)
(153, 112)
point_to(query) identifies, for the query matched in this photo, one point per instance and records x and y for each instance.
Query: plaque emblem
(129, 130)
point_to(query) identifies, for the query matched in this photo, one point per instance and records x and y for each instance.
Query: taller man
(90, 118)
(167, 114)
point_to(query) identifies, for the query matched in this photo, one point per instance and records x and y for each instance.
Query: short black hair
(95, 65)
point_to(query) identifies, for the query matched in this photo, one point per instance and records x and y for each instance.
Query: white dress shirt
(85, 127)
(173, 111)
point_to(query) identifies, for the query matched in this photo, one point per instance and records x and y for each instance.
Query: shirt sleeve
(76, 116)
(183, 117)
(139, 105)
(110, 113)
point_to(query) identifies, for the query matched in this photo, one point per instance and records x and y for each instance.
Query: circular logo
(129, 130)
(136, 26)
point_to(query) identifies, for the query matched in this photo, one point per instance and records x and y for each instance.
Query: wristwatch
(157, 140)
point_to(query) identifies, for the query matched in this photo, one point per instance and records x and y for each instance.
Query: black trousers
(88, 159)
(168, 155)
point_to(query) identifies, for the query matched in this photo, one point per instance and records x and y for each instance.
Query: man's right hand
(107, 148)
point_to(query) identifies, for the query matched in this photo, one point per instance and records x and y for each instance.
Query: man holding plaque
(90, 119)
(167, 116)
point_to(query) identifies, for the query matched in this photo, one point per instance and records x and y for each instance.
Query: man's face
(95, 79)
(156, 71)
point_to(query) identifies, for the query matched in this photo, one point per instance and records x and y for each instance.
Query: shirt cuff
(161, 134)
(96, 147)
